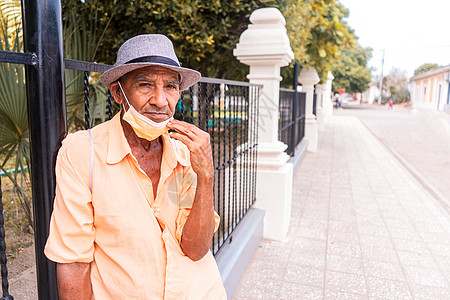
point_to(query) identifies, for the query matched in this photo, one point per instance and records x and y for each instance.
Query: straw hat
(148, 50)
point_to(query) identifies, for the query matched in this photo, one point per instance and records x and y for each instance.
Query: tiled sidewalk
(361, 228)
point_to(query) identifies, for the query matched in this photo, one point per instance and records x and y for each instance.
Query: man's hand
(198, 144)
(199, 227)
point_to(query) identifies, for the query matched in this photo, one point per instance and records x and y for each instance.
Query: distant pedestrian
(390, 103)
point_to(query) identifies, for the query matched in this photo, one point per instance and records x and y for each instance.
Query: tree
(425, 67)
(205, 33)
(351, 72)
(14, 142)
(397, 85)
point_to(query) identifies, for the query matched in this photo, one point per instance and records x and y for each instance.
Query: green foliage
(425, 67)
(318, 34)
(83, 33)
(204, 33)
(351, 72)
(14, 143)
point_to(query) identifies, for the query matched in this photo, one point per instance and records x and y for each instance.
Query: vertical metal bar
(200, 106)
(87, 122)
(242, 156)
(219, 168)
(225, 211)
(213, 142)
(256, 136)
(191, 94)
(230, 197)
(110, 105)
(294, 107)
(235, 191)
(47, 122)
(182, 105)
(5, 285)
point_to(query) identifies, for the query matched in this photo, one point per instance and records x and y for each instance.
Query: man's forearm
(74, 281)
(199, 227)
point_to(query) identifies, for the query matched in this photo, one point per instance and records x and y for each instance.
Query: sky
(411, 32)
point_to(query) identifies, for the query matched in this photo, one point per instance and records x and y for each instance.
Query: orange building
(431, 89)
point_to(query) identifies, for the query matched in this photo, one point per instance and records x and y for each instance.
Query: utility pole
(381, 79)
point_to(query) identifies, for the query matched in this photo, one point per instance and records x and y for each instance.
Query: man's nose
(159, 97)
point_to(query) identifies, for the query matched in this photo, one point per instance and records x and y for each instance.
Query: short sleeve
(72, 232)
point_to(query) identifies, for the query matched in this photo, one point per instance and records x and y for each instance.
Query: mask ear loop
(125, 96)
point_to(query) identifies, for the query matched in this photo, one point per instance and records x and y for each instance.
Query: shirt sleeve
(72, 232)
(187, 196)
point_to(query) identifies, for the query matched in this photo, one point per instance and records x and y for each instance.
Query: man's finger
(184, 127)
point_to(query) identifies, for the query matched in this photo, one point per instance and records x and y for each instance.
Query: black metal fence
(315, 104)
(291, 120)
(227, 110)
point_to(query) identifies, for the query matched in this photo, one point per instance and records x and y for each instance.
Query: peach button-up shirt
(131, 238)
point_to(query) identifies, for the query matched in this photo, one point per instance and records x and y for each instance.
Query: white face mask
(143, 126)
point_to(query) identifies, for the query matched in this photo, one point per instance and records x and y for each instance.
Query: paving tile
(375, 241)
(438, 248)
(431, 237)
(410, 245)
(331, 294)
(434, 227)
(380, 288)
(422, 292)
(302, 244)
(295, 291)
(344, 249)
(343, 237)
(345, 282)
(304, 275)
(385, 270)
(416, 259)
(373, 230)
(308, 259)
(425, 276)
(345, 264)
(253, 288)
(379, 254)
(267, 269)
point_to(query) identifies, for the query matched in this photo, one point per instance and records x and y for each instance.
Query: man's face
(153, 91)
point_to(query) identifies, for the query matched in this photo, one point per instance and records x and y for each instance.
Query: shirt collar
(173, 151)
(118, 146)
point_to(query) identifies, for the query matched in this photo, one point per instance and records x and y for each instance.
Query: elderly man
(133, 216)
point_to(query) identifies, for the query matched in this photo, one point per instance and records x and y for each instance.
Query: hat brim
(189, 77)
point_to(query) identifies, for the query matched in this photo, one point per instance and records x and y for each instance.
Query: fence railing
(291, 120)
(227, 110)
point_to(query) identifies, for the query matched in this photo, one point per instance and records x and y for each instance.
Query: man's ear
(116, 93)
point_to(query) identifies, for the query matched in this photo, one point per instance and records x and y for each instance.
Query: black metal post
(294, 108)
(47, 122)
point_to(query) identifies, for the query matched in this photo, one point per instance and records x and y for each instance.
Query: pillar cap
(330, 76)
(308, 76)
(265, 41)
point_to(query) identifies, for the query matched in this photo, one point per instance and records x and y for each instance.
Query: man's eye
(144, 84)
(172, 86)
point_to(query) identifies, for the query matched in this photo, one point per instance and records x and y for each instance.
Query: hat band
(154, 59)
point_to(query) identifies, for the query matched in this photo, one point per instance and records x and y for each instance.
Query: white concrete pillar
(328, 96)
(320, 114)
(308, 78)
(265, 47)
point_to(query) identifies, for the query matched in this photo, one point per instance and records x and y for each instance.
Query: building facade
(431, 89)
